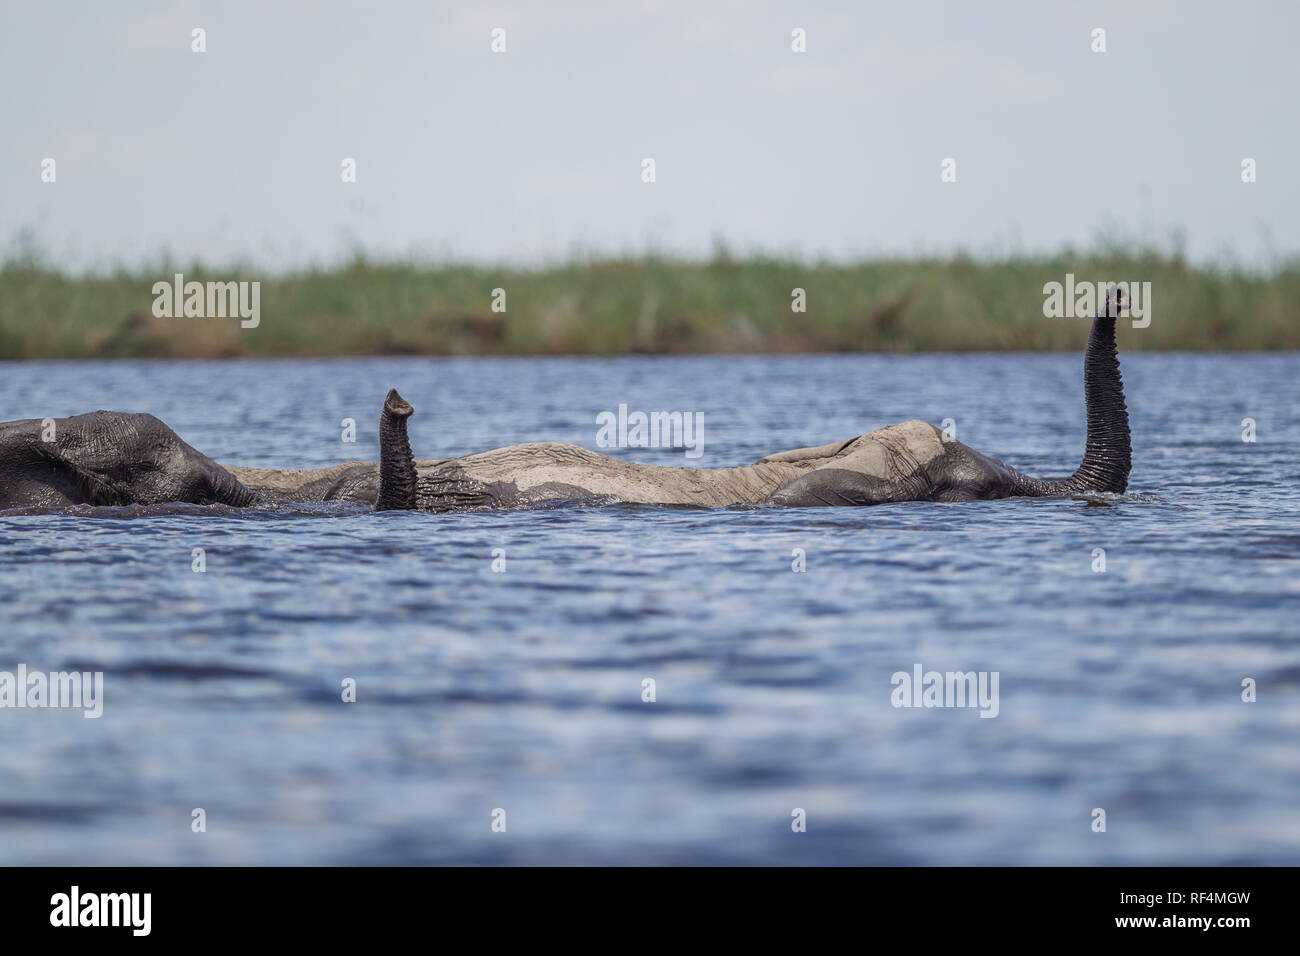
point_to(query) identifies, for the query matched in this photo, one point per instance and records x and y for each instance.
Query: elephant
(115, 458)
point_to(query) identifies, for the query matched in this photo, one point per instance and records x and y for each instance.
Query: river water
(518, 695)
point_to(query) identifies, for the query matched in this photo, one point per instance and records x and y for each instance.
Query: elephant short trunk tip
(394, 404)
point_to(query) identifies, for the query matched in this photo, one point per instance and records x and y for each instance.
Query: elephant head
(108, 458)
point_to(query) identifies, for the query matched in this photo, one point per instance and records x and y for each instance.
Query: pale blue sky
(529, 155)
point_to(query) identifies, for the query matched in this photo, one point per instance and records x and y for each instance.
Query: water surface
(522, 690)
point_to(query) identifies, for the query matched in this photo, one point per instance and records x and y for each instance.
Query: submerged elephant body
(910, 461)
(115, 458)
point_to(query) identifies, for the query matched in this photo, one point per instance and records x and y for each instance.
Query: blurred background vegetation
(647, 304)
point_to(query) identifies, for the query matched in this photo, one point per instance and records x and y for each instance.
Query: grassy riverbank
(643, 305)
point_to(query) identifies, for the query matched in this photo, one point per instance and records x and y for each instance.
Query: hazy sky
(534, 153)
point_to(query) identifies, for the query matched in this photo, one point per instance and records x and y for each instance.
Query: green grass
(651, 304)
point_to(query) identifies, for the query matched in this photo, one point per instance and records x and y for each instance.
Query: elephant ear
(835, 486)
(397, 474)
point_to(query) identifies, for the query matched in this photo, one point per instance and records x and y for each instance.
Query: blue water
(522, 690)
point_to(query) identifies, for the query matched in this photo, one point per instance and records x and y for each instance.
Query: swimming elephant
(907, 462)
(112, 458)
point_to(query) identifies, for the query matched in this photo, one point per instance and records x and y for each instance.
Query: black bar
(331, 906)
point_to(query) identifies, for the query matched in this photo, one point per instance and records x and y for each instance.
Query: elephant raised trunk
(1108, 455)
(397, 475)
